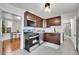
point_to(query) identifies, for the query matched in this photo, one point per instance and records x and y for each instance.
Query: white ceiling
(56, 8)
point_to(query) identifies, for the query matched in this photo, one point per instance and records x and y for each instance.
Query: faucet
(54, 29)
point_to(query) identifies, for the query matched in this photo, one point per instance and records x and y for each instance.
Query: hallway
(66, 49)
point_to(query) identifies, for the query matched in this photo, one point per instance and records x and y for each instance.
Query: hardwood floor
(12, 45)
(6, 46)
(15, 44)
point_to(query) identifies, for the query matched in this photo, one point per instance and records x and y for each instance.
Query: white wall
(0, 25)
(11, 9)
(16, 26)
(78, 28)
(0, 34)
(67, 16)
(44, 23)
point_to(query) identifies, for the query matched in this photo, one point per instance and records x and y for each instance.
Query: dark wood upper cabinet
(31, 17)
(53, 21)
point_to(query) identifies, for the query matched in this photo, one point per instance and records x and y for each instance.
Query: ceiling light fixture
(47, 7)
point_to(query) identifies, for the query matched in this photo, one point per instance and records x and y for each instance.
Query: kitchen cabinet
(52, 38)
(29, 16)
(54, 21)
(39, 23)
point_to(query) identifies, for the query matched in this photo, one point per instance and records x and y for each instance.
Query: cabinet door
(52, 38)
(53, 21)
(39, 23)
(33, 17)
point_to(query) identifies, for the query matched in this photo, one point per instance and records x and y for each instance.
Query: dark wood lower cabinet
(52, 38)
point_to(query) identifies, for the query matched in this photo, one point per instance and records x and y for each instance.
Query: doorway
(69, 27)
(67, 30)
(11, 31)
